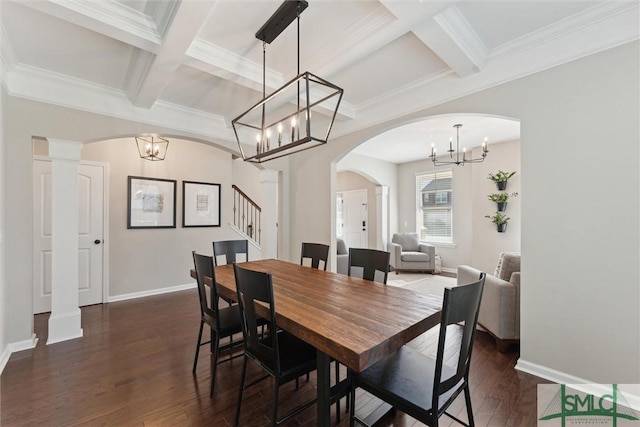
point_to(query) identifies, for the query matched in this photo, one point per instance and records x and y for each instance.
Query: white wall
(25, 120)
(580, 272)
(381, 173)
(147, 259)
(475, 239)
(4, 353)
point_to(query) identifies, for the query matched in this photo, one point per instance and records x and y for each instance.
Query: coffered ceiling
(194, 65)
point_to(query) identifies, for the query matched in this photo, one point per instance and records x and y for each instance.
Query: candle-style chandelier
(454, 155)
(152, 148)
(295, 117)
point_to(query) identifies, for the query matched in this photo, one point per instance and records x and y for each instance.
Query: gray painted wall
(580, 274)
(475, 239)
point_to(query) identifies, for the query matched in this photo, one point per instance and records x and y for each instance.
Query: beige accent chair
(342, 257)
(409, 254)
(500, 308)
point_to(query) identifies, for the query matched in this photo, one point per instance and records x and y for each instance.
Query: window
(434, 201)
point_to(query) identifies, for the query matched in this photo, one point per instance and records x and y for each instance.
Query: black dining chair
(315, 252)
(370, 262)
(230, 249)
(223, 322)
(281, 355)
(418, 385)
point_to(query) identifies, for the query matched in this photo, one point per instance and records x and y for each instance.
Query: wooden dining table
(354, 321)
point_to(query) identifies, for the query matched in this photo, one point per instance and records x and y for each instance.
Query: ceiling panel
(498, 22)
(395, 65)
(42, 41)
(199, 90)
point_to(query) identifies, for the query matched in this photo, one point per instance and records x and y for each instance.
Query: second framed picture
(200, 204)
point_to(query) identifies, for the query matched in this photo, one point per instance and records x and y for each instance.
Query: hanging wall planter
(501, 200)
(500, 220)
(501, 178)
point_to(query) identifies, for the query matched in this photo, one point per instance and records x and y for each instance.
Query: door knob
(97, 241)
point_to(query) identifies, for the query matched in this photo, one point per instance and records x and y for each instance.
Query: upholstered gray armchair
(407, 253)
(342, 257)
(500, 308)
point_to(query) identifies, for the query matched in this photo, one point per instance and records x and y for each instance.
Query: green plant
(500, 197)
(498, 218)
(500, 176)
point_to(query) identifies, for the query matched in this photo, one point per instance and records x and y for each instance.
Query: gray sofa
(500, 308)
(342, 257)
(409, 254)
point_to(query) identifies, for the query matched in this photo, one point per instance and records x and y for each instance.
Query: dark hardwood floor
(133, 368)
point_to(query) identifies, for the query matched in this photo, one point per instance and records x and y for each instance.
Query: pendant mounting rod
(281, 18)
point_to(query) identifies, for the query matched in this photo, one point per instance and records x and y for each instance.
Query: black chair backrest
(461, 304)
(208, 305)
(252, 287)
(230, 248)
(316, 252)
(370, 260)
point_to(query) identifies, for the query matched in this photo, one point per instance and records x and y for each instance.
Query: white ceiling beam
(227, 65)
(149, 76)
(219, 62)
(446, 32)
(453, 39)
(108, 17)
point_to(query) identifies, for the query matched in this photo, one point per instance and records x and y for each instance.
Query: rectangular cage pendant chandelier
(295, 117)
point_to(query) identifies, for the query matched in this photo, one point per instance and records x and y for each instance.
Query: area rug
(421, 283)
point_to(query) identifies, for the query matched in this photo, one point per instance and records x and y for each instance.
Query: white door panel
(354, 218)
(90, 230)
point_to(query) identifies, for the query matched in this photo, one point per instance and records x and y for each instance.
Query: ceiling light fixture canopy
(152, 148)
(295, 117)
(451, 151)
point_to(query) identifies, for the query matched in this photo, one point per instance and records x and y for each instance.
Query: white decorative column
(382, 217)
(64, 322)
(269, 226)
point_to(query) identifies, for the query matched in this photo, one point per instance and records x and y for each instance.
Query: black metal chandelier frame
(458, 161)
(302, 136)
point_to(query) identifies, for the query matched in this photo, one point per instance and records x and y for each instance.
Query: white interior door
(354, 218)
(90, 235)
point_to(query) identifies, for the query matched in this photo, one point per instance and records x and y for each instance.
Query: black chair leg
(195, 360)
(352, 407)
(467, 399)
(236, 422)
(276, 392)
(214, 364)
(337, 375)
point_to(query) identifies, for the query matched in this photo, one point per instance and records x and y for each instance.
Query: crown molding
(139, 67)
(599, 14)
(45, 86)
(583, 40)
(108, 17)
(225, 64)
(458, 29)
(162, 13)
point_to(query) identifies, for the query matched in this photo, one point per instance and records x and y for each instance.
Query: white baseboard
(631, 391)
(548, 373)
(15, 347)
(151, 292)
